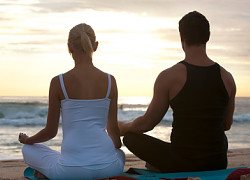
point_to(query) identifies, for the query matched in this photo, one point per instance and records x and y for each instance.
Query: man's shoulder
(175, 70)
(171, 77)
(226, 74)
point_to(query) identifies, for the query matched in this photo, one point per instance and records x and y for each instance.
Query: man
(201, 94)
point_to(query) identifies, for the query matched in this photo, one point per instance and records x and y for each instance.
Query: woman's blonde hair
(82, 38)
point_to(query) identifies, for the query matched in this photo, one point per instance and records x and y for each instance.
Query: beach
(28, 114)
(13, 169)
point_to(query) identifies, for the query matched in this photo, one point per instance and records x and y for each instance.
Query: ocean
(28, 115)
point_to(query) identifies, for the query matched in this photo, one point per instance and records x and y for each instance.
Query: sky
(137, 40)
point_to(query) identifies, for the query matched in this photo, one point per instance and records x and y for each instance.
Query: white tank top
(85, 140)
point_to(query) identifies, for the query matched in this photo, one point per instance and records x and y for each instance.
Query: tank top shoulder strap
(217, 66)
(63, 87)
(183, 62)
(187, 64)
(109, 86)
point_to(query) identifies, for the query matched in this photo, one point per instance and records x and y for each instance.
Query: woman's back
(85, 83)
(85, 140)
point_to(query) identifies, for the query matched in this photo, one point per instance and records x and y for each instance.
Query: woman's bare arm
(112, 125)
(51, 127)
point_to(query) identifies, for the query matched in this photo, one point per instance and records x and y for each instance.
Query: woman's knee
(121, 155)
(25, 149)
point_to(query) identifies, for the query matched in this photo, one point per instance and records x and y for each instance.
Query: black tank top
(198, 112)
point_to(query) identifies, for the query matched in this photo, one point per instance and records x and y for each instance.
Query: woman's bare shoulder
(55, 87)
(55, 82)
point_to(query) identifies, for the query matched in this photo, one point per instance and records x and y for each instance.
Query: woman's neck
(82, 61)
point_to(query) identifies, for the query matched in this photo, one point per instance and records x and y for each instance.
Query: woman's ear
(96, 45)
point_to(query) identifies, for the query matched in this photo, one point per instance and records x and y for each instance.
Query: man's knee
(130, 139)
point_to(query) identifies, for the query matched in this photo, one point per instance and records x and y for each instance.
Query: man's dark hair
(194, 29)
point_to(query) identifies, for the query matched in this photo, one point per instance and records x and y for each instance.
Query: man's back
(198, 114)
(174, 79)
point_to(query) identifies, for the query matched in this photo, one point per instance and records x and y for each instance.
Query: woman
(87, 98)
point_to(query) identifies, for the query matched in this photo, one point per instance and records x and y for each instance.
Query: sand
(13, 169)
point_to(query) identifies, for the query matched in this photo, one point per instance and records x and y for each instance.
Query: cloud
(5, 19)
(111, 31)
(170, 35)
(162, 8)
(218, 10)
(228, 19)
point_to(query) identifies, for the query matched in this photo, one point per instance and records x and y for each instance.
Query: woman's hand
(23, 138)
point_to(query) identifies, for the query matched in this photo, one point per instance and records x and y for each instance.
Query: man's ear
(182, 40)
(70, 48)
(96, 45)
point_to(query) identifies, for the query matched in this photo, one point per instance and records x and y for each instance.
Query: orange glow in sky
(135, 43)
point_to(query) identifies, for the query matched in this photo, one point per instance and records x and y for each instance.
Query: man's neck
(197, 55)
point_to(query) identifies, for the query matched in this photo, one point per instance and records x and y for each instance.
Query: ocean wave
(131, 114)
(23, 122)
(133, 107)
(241, 117)
(1, 115)
(19, 115)
(33, 111)
(34, 103)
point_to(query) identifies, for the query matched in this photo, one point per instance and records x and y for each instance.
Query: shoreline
(13, 169)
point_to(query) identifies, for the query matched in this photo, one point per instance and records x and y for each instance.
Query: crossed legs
(155, 152)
